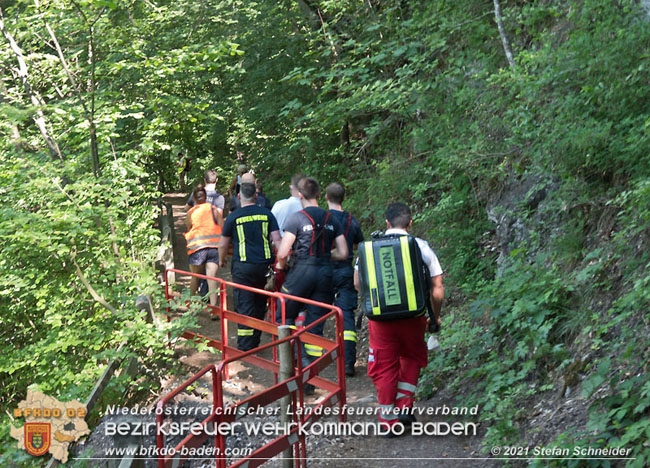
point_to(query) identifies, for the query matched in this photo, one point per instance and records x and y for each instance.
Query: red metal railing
(293, 386)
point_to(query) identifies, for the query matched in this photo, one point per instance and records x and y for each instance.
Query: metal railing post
(223, 303)
(286, 372)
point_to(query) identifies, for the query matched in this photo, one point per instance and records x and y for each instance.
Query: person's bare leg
(194, 281)
(211, 270)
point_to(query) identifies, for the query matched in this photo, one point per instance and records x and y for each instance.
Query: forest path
(330, 451)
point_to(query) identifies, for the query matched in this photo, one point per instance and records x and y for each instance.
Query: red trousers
(397, 353)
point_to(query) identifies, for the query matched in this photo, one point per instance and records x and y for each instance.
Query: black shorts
(203, 256)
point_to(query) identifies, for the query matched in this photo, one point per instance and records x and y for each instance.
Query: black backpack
(395, 282)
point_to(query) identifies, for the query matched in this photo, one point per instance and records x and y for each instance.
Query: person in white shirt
(282, 209)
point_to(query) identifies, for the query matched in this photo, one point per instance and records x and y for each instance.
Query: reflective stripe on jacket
(204, 232)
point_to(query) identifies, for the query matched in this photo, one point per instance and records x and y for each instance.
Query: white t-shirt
(285, 208)
(429, 257)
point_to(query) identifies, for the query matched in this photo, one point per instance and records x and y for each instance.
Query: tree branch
(371, 138)
(64, 62)
(317, 19)
(90, 289)
(502, 33)
(327, 36)
(57, 185)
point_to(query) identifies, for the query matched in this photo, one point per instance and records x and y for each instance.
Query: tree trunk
(88, 112)
(94, 150)
(345, 134)
(15, 133)
(37, 101)
(502, 33)
(92, 83)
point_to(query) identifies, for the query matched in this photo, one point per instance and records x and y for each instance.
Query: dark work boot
(396, 430)
(406, 419)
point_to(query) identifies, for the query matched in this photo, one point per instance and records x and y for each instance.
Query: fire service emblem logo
(37, 438)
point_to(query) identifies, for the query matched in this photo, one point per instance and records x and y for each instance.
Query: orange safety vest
(205, 233)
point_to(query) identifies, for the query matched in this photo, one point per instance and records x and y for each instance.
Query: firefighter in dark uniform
(251, 229)
(345, 294)
(313, 236)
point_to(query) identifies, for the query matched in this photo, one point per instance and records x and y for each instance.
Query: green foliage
(47, 228)
(410, 101)
(55, 237)
(508, 342)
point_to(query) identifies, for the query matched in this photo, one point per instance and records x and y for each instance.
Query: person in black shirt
(235, 201)
(314, 237)
(251, 229)
(343, 271)
(261, 199)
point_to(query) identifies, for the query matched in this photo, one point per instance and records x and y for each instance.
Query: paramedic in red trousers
(397, 350)
(345, 294)
(314, 237)
(252, 230)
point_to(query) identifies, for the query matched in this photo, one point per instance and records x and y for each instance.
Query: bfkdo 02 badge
(37, 438)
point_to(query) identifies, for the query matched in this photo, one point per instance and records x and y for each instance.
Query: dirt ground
(352, 450)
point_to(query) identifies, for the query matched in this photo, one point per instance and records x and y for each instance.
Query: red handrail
(280, 389)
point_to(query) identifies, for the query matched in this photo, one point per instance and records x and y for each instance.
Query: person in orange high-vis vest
(204, 223)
